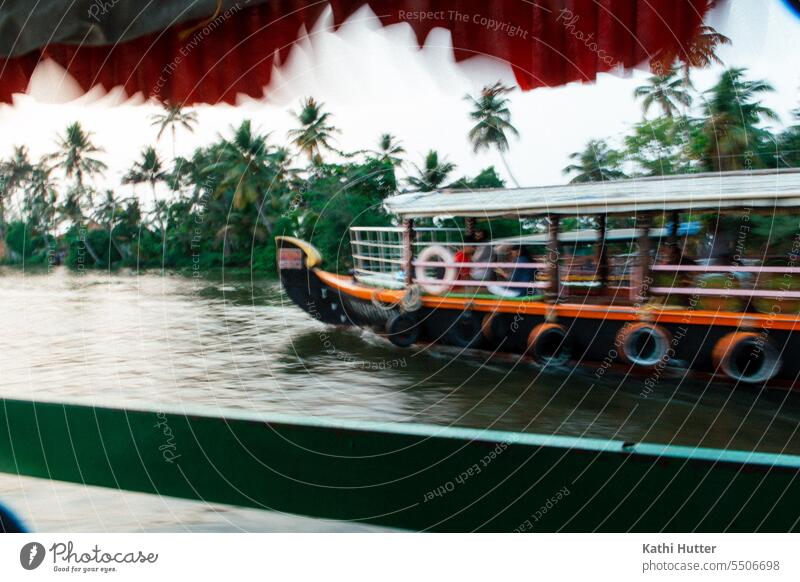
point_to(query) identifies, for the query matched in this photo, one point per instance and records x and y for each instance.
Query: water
(144, 340)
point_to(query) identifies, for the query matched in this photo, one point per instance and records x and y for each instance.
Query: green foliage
(731, 127)
(788, 145)
(596, 163)
(667, 91)
(25, 245)
(492, 119)
(662, 146)
(88, 249)
(488, 178)
(433, 174)
(727, 135)
(338, 196)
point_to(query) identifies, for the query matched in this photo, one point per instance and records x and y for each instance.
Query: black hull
(592, 341)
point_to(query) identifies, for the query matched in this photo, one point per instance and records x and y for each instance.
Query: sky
(375, 80)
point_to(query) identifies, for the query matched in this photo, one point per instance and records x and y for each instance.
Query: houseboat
(648, 273)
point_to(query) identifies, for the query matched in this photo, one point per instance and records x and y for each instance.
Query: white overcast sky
(375, 80)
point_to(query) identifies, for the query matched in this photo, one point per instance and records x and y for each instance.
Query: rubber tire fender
(540, 337)
(629, 333)
(403, 329)
(466, 331)
(724, 356)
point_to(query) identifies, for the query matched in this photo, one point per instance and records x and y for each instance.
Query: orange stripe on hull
(349, 286)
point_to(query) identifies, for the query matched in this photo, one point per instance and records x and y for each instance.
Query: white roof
(688, 192)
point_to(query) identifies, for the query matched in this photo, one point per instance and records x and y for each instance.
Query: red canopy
(547, 43)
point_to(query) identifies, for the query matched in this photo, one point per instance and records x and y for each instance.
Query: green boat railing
(414, 477)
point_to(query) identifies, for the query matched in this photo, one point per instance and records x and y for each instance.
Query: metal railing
(379, 260)
(733, 286)
(377, 255)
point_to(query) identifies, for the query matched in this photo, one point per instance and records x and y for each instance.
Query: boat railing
(740, 281)
(382, 256)
(443, 274)
(378, 255)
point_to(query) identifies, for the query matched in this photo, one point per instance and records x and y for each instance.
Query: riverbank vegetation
(223, 205)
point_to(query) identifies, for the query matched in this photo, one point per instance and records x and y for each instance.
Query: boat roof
(766, 189)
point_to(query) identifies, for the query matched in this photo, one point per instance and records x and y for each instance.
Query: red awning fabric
(546, 42)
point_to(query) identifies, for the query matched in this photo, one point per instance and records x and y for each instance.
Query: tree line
(721, 129)
(223, 205)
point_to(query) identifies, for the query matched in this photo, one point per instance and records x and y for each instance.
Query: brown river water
(143, 340)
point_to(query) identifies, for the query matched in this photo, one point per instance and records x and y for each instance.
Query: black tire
(466, 330)
(548, 345)
(403, 329)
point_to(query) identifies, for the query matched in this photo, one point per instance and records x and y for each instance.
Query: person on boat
(465, 256)
(519, 256)
(484, 253)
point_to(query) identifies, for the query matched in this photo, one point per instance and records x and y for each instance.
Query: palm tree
(254, 171)
(667, 91)
(75, 158)
(174, 115)
(733, 112)
(72, 210)
(702, 50)
(699, 53)
(15, 172)
(108, 213)
(315, 132)
(149, 169)
(493, 122)
(596, 163)
(433, 174)
(41, 202)
(390, 149)
(243, 160)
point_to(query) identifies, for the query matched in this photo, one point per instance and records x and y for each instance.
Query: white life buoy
(431, 254)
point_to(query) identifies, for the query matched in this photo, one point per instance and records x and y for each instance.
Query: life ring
(466, 331)
(745, 356)
(643, 344)
(402, 329)
(548, 345)
(430, 254)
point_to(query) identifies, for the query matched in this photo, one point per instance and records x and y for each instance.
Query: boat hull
(408, 476)
(593, 332)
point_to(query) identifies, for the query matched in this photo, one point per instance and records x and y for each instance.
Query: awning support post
(469, 227)
(553, 254)
(640, 290)
(602, 252)
(675, 255)
(408, 251)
